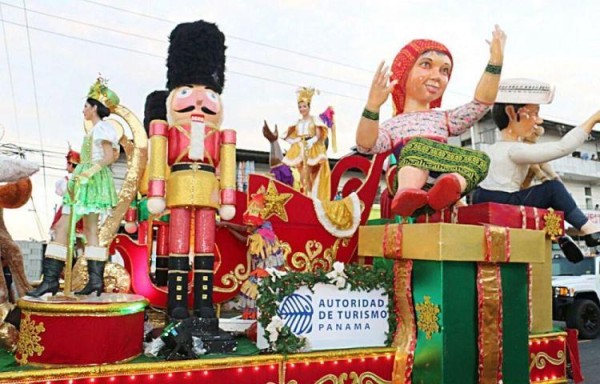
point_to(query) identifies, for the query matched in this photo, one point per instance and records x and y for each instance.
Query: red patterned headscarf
(404, 62)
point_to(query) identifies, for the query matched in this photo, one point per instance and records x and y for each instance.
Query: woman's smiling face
(428, 78)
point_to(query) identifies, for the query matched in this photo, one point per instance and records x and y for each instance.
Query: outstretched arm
(368, 126)
(487, 89)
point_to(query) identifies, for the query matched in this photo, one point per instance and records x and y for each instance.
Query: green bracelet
(370, 115)
(493, 69)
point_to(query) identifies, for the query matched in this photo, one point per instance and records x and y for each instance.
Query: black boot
(96, 278)
(592, 239)
(570, 249)
(51, 269)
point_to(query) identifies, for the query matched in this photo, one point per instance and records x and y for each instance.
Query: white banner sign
(331, 318)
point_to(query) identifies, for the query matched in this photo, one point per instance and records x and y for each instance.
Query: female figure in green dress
(91, 193)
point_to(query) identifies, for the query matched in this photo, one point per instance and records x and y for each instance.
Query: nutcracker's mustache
(192, 107)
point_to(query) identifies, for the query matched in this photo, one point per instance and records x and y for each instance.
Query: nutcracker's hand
(226, 212)
(156, 205)
(130, 227)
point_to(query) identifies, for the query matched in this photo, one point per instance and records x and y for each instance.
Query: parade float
(463, 297)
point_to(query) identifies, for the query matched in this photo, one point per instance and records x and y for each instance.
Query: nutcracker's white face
(188, 100)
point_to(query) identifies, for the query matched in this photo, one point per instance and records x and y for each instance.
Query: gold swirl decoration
(310, 260)
(355, 378)
(230, 281)
(540, 359)
(29, 340)
(137, 156)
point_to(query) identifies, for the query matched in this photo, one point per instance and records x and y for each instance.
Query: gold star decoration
(275, 202)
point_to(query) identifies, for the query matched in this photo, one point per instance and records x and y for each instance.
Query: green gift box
(454, 278)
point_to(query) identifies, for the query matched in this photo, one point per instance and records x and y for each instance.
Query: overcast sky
(52, 51)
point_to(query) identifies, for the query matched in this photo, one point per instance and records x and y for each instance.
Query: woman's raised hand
(497, 45)
(381, 87)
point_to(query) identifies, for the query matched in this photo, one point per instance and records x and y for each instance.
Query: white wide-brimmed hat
(524, 91)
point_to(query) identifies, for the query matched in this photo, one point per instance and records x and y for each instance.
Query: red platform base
(364, 365)
(90, 331)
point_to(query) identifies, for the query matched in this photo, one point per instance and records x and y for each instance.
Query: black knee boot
(96, 278)
(51, 269)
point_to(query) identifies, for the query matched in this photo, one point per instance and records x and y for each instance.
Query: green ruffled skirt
(98, 195)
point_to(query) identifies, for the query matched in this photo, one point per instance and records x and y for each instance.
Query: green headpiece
(103, 94)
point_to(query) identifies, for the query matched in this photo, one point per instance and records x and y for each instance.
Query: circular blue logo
(296, 311)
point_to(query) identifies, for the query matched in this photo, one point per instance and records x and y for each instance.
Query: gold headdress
(305, 94)
(99, 91)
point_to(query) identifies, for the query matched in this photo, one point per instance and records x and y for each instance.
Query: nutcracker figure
(202, 164)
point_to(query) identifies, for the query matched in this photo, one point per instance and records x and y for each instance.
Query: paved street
(589, 353)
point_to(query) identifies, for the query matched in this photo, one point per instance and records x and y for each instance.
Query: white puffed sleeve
(104, 131)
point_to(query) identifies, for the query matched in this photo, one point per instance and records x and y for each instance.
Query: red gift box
(512, 216)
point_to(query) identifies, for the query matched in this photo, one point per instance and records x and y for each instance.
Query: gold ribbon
(405, 337)
(392, 241)
(497, 244)
(489, 290)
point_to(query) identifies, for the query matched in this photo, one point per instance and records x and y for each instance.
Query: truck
(576, 293)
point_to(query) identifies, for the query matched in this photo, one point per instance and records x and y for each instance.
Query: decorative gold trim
(232, 280)
(427, 317)
(539, 359)
(137, 369)
(46, 365)
(185, 365)
(29, 339)
(81, 308)
(310, 261)
(547, 335)
(365, 377)
(552, 228)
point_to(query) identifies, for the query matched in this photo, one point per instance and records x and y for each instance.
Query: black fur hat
(155, 107)
(196, 56)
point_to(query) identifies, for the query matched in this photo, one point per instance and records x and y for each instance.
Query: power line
(161, 57)
(35, 97)
(10, 77)
(165, 41)
(303, 54)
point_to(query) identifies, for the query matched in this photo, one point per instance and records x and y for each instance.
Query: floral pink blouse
(435, 125)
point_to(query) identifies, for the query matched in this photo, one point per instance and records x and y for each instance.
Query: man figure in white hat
(516, 114)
